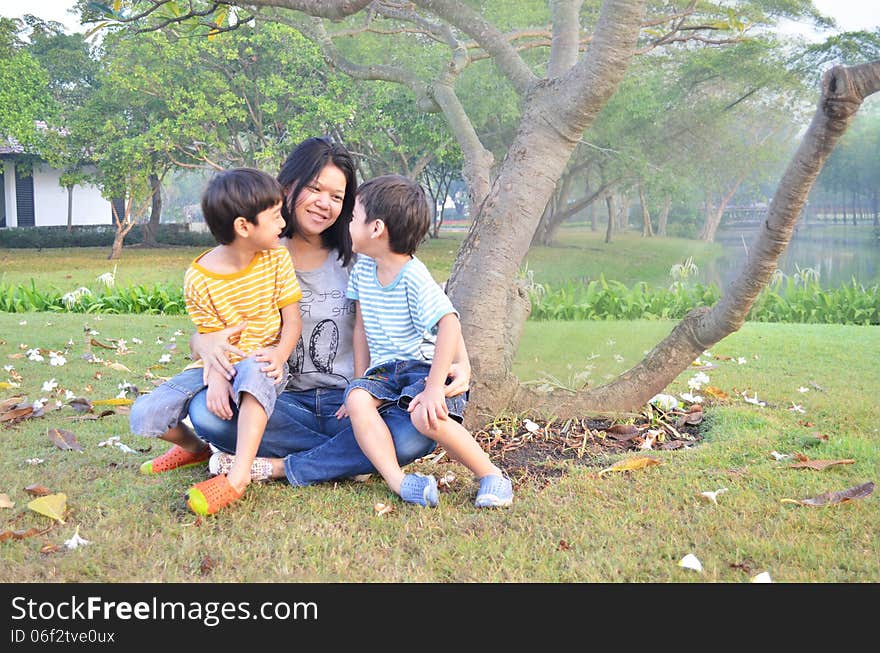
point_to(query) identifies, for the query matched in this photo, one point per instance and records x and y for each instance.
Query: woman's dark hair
(302, 166)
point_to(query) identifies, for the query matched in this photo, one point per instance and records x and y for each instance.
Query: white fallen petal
(780, 456)
(763, 577)
(530, 426)
(76, 540)
(690, 561)
(664, 401)
(33, 461)
(713, 496)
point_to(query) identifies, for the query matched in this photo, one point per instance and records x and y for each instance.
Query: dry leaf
(6, 404)
(831, 498)
(5, 385)
(51, 505)
(37, 490)
(690, 561)
(5, 502)
(563, 546)
(717, 393)
(80, 404)
(17, 414)
(22, 534)
(819, 465)
(119, 367)
(207, 565)
(63, 439)
(622, 432)
(630, 464)
(98, 343)
(48, 548)
(382, 509)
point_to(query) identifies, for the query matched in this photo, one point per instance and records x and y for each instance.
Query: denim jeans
(162, 409)
(303, 430)
(400, 381)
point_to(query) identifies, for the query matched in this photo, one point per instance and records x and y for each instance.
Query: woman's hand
(460, 378)
(212, 349)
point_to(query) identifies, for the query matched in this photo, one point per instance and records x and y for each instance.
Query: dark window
(2, 197)
(24, 199)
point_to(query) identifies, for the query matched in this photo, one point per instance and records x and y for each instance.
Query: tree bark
(151, 228)
(664, 216)
(70, 208)
(647, 229)
(609, 204)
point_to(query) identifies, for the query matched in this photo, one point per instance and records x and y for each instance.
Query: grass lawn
(570, 525)
(582, 255)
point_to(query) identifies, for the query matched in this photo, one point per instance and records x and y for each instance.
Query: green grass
(629, 259)
(617, 528)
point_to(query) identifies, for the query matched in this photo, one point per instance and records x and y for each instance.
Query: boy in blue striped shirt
(406, 333)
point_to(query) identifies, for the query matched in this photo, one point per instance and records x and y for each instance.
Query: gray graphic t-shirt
(324, 358)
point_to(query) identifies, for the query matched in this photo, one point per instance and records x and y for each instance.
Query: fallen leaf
(119, 367)
(382, 509)
(6, 404)
(80, 404)
(207, 565)
(22, 534)
(831, 498)
(5, 502)
(819, 465)
(98, 343)
(690, 561)
(763, 577)
(117, 401)
(563, 546)
(630, 464)
(63, 439)
(622, 432)
(717, 393)
(37, 490)
(17, 414)
(51, 505)
(5, 385)
(48, 548)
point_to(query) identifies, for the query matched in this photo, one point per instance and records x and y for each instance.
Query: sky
(850, 14)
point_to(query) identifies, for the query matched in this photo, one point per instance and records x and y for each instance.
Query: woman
(308, 438)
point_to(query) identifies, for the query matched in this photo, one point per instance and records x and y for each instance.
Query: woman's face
(319, 203)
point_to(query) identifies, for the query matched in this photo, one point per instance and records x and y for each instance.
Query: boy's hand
(274, 360)
(342, 413)
(212, 349)
(219, 395)
(433, 401)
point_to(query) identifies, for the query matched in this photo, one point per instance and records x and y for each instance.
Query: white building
(34, 198)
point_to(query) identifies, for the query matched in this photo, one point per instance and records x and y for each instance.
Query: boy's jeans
(304, 431)
(153, 414)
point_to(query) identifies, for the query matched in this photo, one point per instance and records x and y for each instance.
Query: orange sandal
(209, 496)
(175, 458)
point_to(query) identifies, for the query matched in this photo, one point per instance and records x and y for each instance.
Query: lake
(838, 252)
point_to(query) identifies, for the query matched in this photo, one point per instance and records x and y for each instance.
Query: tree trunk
(713, 216)
(609, 204)
(664, 216)
(647, 229)
(151, 228)
(70, 208)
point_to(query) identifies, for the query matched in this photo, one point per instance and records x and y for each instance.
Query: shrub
(97, 236)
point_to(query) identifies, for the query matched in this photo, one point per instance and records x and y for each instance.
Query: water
(839, 253)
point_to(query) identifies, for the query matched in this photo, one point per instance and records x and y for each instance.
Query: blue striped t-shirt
(400, 319)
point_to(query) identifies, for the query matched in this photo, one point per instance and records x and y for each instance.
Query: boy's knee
(419, 418)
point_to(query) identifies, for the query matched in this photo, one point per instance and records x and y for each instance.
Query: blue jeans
(303, 430)
(154, 413)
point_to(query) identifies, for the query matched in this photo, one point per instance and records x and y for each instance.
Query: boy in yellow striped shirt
(248, 277)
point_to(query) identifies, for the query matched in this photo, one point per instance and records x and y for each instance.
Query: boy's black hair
(302, 166)
(402, 205)
(239, 192)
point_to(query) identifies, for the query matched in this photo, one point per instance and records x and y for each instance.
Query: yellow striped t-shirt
(256, 294)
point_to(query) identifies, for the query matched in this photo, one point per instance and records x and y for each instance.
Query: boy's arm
(291, 329)
(433, 398)
(359, 344)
